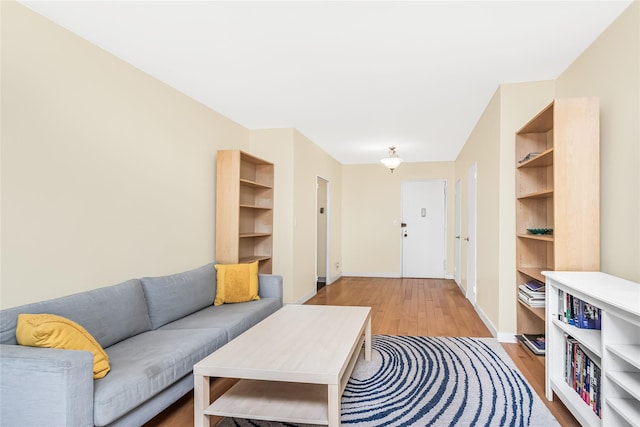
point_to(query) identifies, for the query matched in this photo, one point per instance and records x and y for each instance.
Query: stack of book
(534, 342)
(532, 293)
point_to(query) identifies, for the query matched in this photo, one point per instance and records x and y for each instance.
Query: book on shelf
(574, 311)
(535, 285)
(531, 294)
(534, 342)
(531, 301)
(582, 374)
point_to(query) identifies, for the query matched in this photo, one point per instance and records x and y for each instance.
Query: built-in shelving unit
(614, 349)
(557, 187)
(244, 209)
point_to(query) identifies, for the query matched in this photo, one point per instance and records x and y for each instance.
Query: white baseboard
(463, 290)
(383, 275)
(331, 280)
(306, 298)
(508, 337)
(486, 321)
(449, 276)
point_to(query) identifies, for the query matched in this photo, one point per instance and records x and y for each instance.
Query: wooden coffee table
(293, 366)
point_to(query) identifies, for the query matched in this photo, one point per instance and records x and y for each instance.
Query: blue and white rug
(436, 381)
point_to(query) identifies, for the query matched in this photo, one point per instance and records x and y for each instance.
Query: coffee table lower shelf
(274, 401)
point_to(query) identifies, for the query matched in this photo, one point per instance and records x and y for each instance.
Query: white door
(471, 233)
(457, 269)
(423, 229)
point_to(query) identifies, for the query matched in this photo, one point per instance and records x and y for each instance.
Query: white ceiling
(355, 77)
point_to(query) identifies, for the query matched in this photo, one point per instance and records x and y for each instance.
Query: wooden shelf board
(247, 235)
(541, 122)
(268, 208)
(536, 357)
(264, 400)
(539, 312)
(537, 195)
(544, 237)
(254, 184)
(534, 272)
(543, 159)
(253, 258)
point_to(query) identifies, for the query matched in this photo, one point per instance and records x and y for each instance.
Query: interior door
(471, 233)
(457, 269)
(423, 228)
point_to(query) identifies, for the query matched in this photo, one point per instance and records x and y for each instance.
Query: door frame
(328, 222)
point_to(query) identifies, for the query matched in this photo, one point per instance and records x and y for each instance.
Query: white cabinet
(614, 349)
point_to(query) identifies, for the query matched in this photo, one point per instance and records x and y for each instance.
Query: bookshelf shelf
(615, 348)
(537, 195)
(543, 159)
(536, 311)
(543, 237)
(629, 381)
(629, 353)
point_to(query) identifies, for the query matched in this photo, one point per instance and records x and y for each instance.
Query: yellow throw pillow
(51, 331)
(236, 283)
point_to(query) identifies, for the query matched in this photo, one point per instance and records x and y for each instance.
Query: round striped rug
(436, 381)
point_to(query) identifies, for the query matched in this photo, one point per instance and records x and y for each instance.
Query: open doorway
(322, 236)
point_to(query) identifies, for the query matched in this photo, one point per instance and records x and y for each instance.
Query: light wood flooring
(423, 307)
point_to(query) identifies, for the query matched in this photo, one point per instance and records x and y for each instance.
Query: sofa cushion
(146, 364)
(109, 314)
(236, 283)
(172, 297)
(233, 318)
(51, 331)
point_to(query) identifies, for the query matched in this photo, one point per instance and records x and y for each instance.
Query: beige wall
(610, 70)
(483, 149)
(298, 162)
(107, 173)
(371, 240)
(310, 162)
(276, 145)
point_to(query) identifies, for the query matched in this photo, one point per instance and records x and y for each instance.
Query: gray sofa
(153, 329)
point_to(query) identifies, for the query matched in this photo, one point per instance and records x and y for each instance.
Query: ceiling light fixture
(393, 161)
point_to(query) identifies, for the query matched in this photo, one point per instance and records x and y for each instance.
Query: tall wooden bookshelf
(244, 209)
(557, 187)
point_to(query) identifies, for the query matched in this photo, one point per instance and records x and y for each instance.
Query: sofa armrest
(45, 386)
(270, 286)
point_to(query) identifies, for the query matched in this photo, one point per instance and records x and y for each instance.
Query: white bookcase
(615, 348)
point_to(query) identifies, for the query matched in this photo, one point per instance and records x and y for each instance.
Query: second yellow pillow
(51, 331)
(236, 283)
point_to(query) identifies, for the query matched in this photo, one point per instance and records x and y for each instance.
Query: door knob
(466, 238)
(458, 237)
